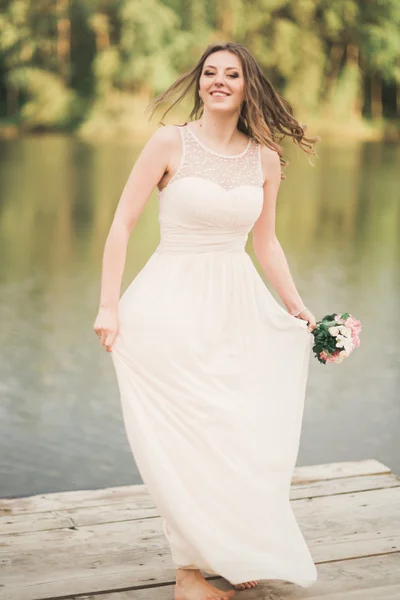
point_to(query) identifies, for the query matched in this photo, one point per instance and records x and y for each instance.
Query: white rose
(346, 331)
(340, 342)
(344, 353)
(334, 331)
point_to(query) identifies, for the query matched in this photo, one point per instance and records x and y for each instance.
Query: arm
(266, 246)
(148, 170)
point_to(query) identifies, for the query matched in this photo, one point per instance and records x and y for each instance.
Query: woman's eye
(232, 75)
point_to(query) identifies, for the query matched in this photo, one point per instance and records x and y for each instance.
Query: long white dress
(212, 373)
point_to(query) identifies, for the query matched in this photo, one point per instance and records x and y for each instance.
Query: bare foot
(191, 585)
(246, 585)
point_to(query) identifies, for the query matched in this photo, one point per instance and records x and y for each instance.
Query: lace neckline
(213, 151)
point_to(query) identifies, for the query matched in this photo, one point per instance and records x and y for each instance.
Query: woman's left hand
(307, 315)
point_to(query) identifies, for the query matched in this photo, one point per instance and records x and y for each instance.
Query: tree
(146, 43)
(380, 46)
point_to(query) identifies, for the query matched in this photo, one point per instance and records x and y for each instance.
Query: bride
(211, 369)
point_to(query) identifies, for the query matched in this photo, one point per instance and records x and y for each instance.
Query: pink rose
(323, 355)
(354, 325)
(333, 358)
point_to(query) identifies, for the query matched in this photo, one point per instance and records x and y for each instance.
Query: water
(61, 425)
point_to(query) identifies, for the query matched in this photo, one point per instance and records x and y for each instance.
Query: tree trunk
(100, 25)
(352, 60)
(197, 14)
(226, 13)
(398, 93)
(185, 12)
(145, 92)
(63, 39)
(193, 14)
(334, 62)
(12, 101)
(376, 96)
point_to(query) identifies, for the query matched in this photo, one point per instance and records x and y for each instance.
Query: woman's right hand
(106, 326)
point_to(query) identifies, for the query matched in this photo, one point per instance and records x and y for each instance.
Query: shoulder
(166, 137)
(269, 157)
(164, 145)
(270, 162)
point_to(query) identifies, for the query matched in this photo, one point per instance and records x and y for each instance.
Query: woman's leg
(190, 583)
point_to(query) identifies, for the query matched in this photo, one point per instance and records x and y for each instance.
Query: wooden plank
(311, 473)
(86, 498)
(111, 556)
(144, 508)
(262, 593)
(387, 592)
(122, 513)
(73, 518)
(81, 498)
(381, 593)
(345, 485)
(369, 578)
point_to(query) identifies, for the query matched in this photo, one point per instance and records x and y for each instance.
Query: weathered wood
(368, 578)
(140, 506)
(83, 499)
(135, 553)
(92, 498)
(345, 485)
(311, 473)
(77, 517)
(106, 541)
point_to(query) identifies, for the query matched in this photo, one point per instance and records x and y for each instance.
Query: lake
(61, 425)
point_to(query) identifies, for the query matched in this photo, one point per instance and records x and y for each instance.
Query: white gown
(212, 373)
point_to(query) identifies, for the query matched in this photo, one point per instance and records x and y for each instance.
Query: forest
(92, 66)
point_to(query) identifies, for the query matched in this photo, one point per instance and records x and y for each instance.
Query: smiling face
(221, 84)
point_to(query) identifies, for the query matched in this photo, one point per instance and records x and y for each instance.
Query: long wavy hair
(265, 116)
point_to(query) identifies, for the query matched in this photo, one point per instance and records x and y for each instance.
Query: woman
(211, 369)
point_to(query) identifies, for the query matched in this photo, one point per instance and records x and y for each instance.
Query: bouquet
(335, 337)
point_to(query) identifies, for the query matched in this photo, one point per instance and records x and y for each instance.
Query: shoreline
(364, 130)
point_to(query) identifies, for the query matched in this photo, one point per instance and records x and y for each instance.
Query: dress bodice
(212, 201)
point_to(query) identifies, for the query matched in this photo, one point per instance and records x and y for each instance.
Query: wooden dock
(108, 544)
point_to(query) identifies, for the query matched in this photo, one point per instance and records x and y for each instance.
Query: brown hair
(265, 116)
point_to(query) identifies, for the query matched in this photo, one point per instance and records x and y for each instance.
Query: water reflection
(61, 425)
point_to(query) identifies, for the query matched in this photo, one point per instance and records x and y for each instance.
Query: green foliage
(321, 55)
(49, 104)
(105, 68)
(146, 40)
